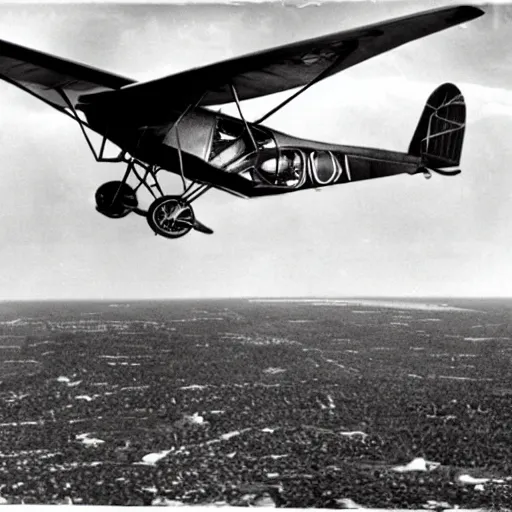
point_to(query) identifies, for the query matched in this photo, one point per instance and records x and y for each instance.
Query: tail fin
(440, 132)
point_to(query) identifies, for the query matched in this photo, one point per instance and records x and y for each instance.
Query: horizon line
(260, 297)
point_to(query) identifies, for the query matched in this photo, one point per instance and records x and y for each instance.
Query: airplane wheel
(171, 217)
(115, 199)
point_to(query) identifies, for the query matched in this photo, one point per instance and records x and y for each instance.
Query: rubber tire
(125, 202)
(153, 209)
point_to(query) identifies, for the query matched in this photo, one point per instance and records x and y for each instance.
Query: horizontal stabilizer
(447, 173)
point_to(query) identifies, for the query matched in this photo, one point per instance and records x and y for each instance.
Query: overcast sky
(391, 237)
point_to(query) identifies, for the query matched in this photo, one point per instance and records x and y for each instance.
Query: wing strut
(122, 157)
(99, 157)
(323, 74)
(190, 106)
(190, 192)
(237, 101)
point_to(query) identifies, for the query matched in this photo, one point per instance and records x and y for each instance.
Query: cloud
(401, 235)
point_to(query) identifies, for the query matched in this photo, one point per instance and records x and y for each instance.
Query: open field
(298, 403)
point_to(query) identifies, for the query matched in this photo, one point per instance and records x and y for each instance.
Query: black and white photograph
(256, 254)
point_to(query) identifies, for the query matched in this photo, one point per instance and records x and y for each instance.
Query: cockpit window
(226, 133)
(255, 155)
(228, 142)
(232, 142)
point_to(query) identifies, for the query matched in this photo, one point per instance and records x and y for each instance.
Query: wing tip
(469, 12)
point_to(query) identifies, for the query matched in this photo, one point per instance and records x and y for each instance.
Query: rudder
(440, 132)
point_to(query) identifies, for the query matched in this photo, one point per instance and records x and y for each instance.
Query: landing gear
(116, 199)
(171, 216)
(168, 216)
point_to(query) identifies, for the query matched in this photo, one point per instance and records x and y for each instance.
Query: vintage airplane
(165, 124)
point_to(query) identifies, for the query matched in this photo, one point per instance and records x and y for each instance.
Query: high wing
(43, 75)
(285, 67)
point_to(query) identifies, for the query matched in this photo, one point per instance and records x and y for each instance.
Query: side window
(325, 168)
(286, 170)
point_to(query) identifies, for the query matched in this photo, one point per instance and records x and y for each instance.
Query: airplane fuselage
(217, 149)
